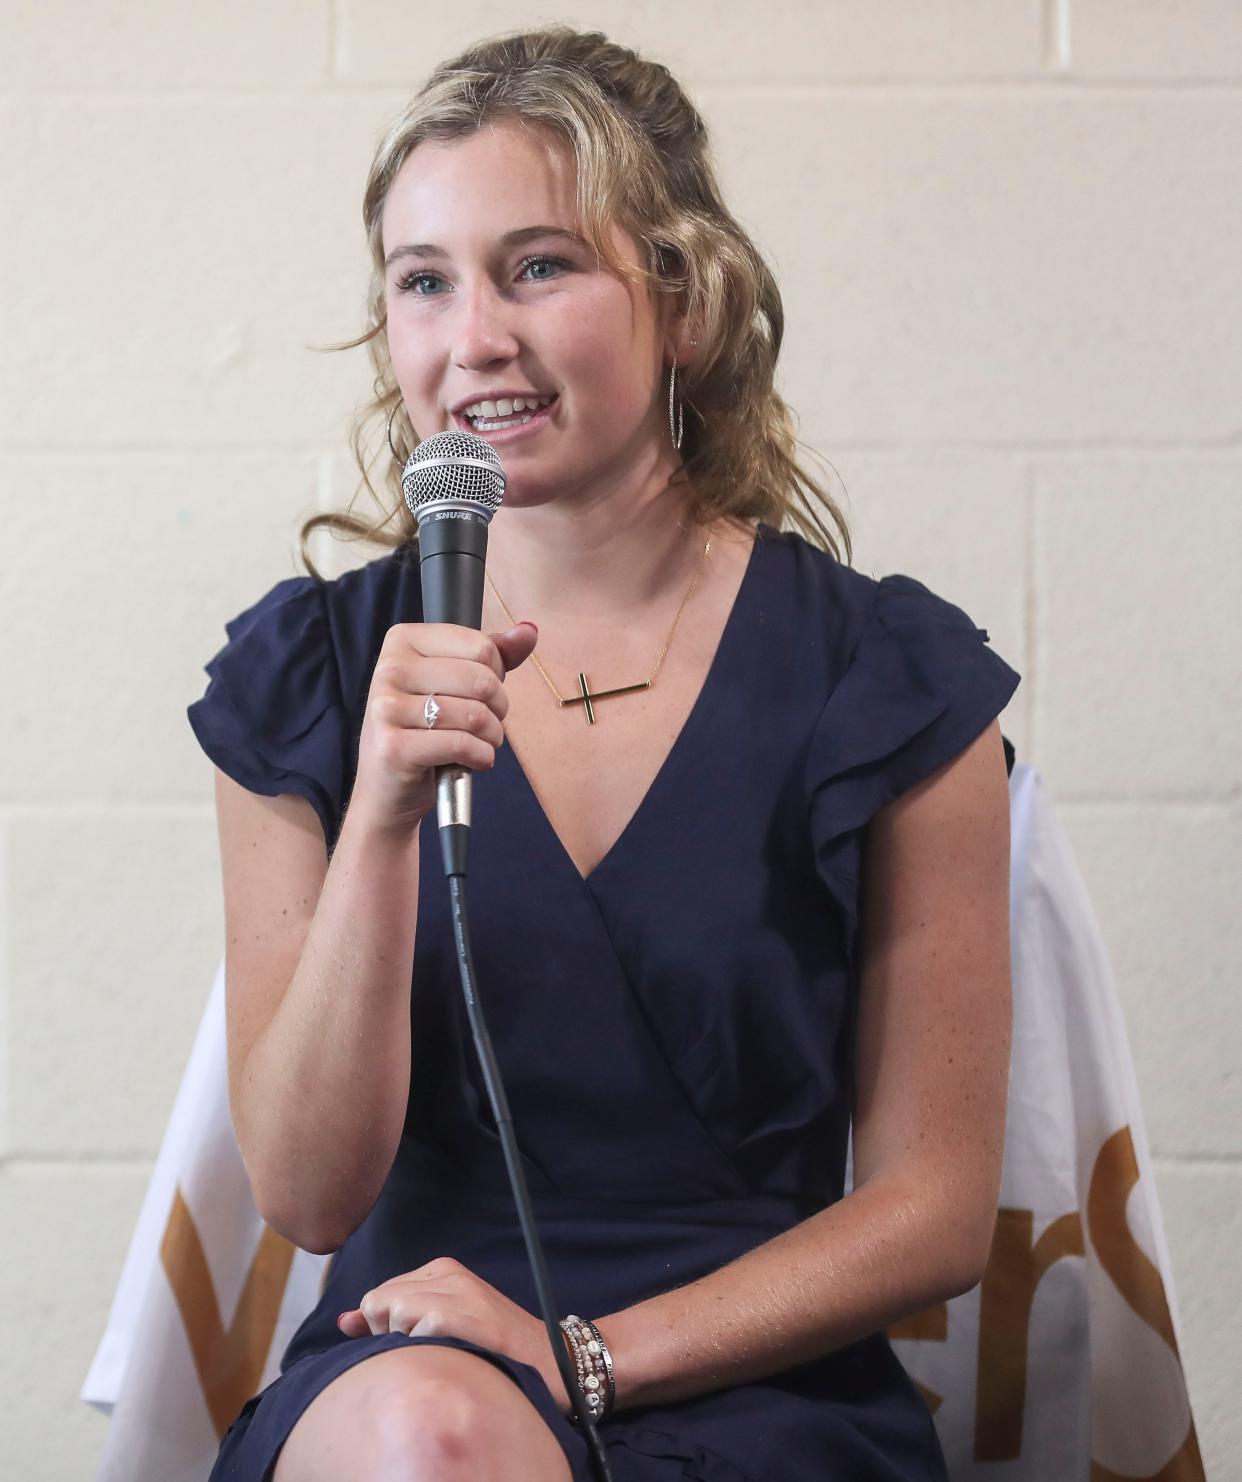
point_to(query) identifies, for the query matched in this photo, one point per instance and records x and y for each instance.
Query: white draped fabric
(1063, 1363)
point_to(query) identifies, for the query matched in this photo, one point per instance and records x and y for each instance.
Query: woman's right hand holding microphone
(398, 753)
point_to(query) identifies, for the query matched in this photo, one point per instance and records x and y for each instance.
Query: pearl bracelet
(594, 1365)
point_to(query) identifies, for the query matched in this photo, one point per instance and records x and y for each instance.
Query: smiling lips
(505, 411)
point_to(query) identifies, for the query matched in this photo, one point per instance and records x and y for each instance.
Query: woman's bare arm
(318, 964)
(319, 957)
(932, 1074)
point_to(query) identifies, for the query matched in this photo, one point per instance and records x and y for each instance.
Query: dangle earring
(675, 429)
(397, 456)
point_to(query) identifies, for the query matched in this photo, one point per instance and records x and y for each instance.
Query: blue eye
(412, 281)
(543, 262)
(406, 284)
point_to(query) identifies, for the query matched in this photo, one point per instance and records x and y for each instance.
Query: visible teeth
(486, 426)
(506, 406)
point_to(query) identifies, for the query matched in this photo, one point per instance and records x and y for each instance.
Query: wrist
(557, 1382)
(369, 830)
(592, 1365)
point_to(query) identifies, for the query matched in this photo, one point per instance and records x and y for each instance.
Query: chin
(527, 497)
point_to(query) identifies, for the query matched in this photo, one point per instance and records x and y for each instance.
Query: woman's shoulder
(383, 577)
(855, 606)
(917, 681)
(336, 622)
(285, 695)
(360, 606)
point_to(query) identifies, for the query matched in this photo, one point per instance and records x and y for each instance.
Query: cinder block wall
(1008, 235)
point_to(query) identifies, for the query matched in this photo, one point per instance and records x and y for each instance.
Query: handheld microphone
(453, 484)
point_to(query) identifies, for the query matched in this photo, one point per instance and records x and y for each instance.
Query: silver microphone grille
(453, 465)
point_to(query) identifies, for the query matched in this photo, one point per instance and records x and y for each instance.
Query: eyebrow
(510, 239)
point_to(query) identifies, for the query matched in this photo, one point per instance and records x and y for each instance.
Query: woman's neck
(594, 566)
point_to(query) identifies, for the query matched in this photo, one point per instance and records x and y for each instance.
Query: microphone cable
(517, 1179)
(453, 483)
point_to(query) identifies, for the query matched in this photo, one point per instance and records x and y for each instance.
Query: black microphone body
(453, 484)
(452, 550)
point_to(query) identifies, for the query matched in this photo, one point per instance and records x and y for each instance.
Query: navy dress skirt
(673, 1031)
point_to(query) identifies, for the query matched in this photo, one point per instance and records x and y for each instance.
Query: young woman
(714, 919)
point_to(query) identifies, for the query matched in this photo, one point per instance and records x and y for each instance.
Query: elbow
(292, 1218)
(320, 1232)
(943, 1227)
(962, 1278)
(300, 1232)
(319, 1225)
(952, 1234)
(965, 1256)
(311, 1210)
(318, 1246)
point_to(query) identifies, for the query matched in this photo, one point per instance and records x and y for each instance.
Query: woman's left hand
(446, 1299)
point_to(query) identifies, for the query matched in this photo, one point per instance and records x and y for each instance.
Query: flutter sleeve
(921, 685)
(272, 717)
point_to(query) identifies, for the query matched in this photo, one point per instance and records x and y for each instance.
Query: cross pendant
(588, 696)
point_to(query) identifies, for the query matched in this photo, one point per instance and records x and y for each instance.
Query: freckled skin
(936, 951)
(480, 321)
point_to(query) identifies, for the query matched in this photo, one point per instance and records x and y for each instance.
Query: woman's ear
(681, 341)
(680, 337)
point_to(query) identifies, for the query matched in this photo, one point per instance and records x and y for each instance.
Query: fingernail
(340, 1322)
(526, 623)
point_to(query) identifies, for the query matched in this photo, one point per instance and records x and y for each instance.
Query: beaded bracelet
(592, 1360)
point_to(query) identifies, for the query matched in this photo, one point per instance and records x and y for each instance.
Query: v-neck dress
(674, 1031)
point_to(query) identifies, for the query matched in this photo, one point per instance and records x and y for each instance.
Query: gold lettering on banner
(1134, 1274)
(1016, 1266)
(932, 1326)
(229, 1361)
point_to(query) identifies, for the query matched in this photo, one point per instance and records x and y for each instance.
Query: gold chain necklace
(587, 696)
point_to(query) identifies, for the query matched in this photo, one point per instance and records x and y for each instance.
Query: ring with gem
(431, 711)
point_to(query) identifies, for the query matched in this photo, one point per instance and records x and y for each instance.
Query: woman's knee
(420, 1414)
(428, 1427)
(466, 1419)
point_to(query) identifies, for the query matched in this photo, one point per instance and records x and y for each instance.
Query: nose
(484, 329)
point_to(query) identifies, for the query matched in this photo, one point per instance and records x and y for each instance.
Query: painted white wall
(1008, 237)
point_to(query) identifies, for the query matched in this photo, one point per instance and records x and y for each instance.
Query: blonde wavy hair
(642, 159)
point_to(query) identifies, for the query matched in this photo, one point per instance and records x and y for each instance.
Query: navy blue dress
(673, 1031)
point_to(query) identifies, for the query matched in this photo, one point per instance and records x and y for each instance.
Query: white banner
(1061, 1366)
(209, 1296)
